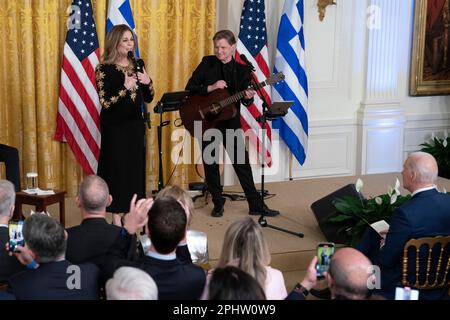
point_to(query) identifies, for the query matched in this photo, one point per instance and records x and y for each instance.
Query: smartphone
(325, 251)
(15, 234)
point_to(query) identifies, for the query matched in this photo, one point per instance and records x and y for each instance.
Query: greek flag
(290, 59)
(119, 12)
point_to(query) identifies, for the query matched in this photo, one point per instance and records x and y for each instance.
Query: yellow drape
(173, 36)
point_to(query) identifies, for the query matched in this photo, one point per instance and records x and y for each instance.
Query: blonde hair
(244, 243)
(112, 41)
(181, 196)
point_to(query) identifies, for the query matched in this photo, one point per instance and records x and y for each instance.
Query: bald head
(349, 271)
(419, 171)
(93, 194)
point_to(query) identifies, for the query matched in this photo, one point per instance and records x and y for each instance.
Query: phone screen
(325, 251)
(15, 234)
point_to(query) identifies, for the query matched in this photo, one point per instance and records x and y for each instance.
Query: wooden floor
(290, 254)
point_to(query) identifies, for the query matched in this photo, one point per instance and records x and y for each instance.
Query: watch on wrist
(301, 289)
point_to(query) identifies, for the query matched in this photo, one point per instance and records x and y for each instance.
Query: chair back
(426, 263)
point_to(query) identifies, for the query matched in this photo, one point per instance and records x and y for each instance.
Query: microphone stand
(263, 120)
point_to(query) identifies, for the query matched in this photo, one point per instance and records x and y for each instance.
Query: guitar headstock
(277, 77)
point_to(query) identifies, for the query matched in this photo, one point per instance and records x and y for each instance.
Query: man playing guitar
(221, 71)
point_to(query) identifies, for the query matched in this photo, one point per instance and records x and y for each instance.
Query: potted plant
(357, 213)
(440, 150)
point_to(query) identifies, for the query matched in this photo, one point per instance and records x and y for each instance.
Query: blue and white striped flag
(119, 12)
(290, 59)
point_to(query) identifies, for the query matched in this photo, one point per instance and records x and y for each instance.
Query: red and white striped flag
(252, 43)
(78, 118)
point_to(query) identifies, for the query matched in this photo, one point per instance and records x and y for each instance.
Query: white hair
(131, 284)
(7, 197)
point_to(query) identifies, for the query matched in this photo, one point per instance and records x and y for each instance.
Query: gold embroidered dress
(122, 153)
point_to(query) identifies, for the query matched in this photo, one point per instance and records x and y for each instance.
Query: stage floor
(290, 254)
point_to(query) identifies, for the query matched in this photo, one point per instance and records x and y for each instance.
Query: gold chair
(436, 267)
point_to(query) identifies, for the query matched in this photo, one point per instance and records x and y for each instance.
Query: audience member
(54, 278)
(231, 283)
(425, 215)
(8, 265)
(131, 284)
(10, 156)
(90, 241)
(181, 195)
(176, 278)
(245, 247)
(348, 278)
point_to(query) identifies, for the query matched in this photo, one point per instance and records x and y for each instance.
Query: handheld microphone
(248, 63)
(133, 60)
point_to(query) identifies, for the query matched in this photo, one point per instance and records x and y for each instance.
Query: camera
(15, 235)
(325, 251)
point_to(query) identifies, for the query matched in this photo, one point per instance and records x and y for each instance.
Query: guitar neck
(238, 96)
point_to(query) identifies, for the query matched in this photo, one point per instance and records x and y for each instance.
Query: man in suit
(219, 72)
(53, 277)
(8, 265)
(91, 240)
(427, 214)
(10, 156)
(348, 277)
(175, 275)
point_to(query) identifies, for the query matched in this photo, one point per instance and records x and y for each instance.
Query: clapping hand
(137, 217)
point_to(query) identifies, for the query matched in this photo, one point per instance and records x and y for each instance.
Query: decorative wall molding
(380, 138)
(420, 129)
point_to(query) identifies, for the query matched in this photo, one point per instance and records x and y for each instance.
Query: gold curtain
(173, 36)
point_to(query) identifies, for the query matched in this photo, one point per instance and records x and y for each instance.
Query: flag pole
(291, 163)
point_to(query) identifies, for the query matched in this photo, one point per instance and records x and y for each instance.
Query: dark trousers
(10, 156)
(238, 155)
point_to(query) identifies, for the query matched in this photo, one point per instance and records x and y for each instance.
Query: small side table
(40, 203)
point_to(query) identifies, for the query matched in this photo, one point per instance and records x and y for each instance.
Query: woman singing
(122, 154)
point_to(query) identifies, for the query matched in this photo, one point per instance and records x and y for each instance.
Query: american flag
(78, 118)
(252, 43)
(290, 59)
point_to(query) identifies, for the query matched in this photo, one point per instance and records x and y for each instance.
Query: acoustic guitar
(217, 106)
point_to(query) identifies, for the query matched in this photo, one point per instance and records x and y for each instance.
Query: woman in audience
(231, 283)
(182, 196)
(244, 246)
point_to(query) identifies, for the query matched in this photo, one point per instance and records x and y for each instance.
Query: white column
(381, 120)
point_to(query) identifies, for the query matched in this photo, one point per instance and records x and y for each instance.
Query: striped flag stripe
(293, 127)
(80, 105)
(75, 139)
(79, 122)
(73, 85)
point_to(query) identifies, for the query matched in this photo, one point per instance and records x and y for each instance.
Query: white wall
(356, 125)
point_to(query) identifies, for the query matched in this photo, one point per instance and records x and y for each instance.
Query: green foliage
(440, 150)
(356, 214)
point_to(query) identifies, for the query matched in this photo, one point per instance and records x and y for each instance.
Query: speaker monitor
(324, 210)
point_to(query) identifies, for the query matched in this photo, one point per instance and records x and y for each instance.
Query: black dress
(122, 153)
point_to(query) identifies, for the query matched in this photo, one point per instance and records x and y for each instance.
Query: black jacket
(50, 282)
(8, 265)
(210, 70)
(177, 279)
